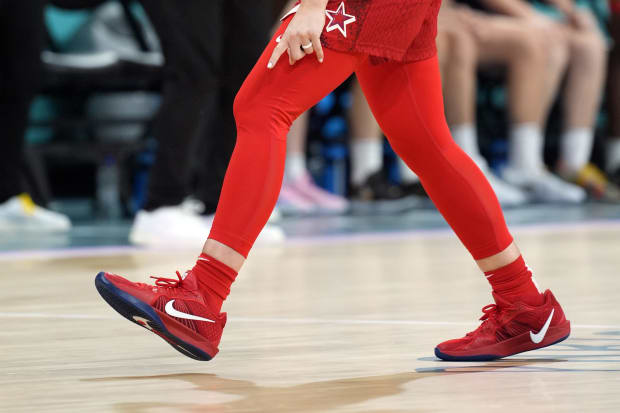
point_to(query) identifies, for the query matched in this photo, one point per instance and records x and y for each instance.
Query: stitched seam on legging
(423, 121)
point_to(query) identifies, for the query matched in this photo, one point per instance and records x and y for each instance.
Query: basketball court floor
(343, 318)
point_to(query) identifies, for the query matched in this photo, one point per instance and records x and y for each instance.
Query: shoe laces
(163, 282)
(490, 315)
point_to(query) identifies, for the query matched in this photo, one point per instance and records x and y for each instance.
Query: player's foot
(20, 213)
(173, 225)
(324, 201)
(543, 186)
(174, 309)
(507, 329)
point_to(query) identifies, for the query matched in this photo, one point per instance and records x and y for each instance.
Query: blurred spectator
(468, 39)
(22, 36)
(208, 47)
(569, 33)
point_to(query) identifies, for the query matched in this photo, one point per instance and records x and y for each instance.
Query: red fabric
(400, 30)
(614, 6)
(513, 282)
(407, 102)
(214, 279)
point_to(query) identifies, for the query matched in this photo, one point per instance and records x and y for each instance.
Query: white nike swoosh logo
(538, 337)
(175, 313)
(279, 39)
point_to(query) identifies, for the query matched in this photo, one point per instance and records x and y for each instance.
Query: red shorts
(398, 30)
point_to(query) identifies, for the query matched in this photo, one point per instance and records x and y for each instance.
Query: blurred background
(116, 121)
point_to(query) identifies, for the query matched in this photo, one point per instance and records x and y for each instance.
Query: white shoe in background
(20, 213)
(173, 226)
(543, 186)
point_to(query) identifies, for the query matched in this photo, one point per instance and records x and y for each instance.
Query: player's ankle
(214, 279)
(514, 282)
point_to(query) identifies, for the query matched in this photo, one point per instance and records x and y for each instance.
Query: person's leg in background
(299, 194)
(612, 151)
(190, 34)
(581, 100)
(22, 37)
(461, 49)
(413, 120)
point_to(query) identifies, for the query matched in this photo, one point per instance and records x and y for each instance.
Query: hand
(302, 36)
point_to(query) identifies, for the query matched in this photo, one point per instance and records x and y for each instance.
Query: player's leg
(414, 123)
(186, 311)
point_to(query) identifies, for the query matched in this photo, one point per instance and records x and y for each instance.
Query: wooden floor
(343, 327)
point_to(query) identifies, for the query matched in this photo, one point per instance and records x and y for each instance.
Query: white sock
(613, 154)
(406, 174)
(526, 145)
(295, 166)
(466, 136)
(576, 149)
(366, 158)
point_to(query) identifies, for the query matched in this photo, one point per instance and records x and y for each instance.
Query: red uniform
(614, 6)
(389, 45)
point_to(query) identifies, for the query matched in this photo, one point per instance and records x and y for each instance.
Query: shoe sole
(490, 357)
(130, 307)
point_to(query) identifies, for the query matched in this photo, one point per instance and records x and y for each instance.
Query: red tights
(407, 103)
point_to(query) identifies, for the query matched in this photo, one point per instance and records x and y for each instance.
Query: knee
(262, 117)
(588, 49)
(531, 50)
(463, 49)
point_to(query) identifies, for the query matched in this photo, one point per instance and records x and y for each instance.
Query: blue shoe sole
(130, 307)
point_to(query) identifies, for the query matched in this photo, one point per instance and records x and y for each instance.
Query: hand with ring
(303, 34)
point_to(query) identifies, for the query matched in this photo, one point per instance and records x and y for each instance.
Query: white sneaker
(271, 234)
(173, 226)
(507, 195)
(543, 186)
(20, 213)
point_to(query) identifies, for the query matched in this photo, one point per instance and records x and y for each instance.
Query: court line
(287, 320)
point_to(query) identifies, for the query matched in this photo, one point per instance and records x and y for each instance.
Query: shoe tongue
(500, 301)
(189, 281)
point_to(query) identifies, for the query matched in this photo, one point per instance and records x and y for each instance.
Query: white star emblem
(339, 19)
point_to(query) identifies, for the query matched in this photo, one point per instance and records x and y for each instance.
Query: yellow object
(27, 203)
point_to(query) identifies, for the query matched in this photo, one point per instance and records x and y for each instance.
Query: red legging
(406, 101)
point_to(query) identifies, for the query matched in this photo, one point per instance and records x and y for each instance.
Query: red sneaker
(173, 309)
(507, 329)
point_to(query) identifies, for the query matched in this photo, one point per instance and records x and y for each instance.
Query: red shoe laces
(489, 317)
(168, 282)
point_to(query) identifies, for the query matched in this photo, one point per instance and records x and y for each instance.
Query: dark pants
(209, 47)
(22, 35)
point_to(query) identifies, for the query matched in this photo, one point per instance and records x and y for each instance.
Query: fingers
(294, 46)
(318, 48)
(295, 51)
(277, 53)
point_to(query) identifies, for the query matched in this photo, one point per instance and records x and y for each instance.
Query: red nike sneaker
(173, 309)
(507, 329)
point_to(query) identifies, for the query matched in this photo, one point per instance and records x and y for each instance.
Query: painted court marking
(287, 320)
